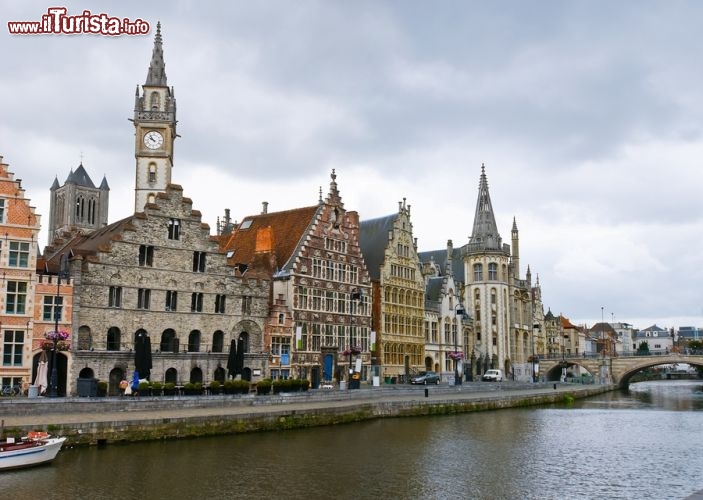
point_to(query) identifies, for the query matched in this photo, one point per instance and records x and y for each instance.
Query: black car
(426, 378)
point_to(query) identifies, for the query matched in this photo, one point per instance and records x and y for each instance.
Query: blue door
(327, 368)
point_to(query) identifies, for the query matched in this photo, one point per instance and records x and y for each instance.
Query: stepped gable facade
(398, 308)
(320, 321)
(159, 273)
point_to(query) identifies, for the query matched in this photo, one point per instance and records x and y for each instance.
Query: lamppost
(354, 348)
(54, 377)
(535, 359)
(459, 310)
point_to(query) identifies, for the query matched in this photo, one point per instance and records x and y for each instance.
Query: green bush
(241, 386)
(193, 388)
(263, 386)
(215, 387)
(156, 388)
(143, 388)
(228, 387)
(169, 389)
(304, 384)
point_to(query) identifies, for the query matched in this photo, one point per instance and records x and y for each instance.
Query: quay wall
(105, 421)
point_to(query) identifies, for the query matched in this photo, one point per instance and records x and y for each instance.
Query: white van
(493, 375)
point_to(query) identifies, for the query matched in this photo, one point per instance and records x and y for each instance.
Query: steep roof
(81, 244)
(278, 233)
(439, 257)
(373, 240)
(485, 232)
(156, 75)
(80, 177)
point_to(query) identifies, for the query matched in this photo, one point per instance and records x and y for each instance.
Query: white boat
(35, 449)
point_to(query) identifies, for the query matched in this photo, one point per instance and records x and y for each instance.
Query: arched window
(169, 342)
(218, 341)
(113, 339)
(194, 341)
(493, 271)
(478, 272)
(152, 172)
(171, 376)
(155, 101)
(80, 208)
(243, 343)
(151, 198)
(196, 376)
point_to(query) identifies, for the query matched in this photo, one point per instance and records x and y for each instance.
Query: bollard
(555, 387)
(427, 392)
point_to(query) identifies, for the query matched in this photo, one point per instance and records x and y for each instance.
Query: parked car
(493, 376)
(426, 378)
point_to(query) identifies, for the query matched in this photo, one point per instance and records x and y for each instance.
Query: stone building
(390, 253)
(320, 322)
(159, 275)
(495, 296)
(448, 324)
(19, 230)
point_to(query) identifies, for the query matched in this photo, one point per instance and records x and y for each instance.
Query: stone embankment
(88, 421)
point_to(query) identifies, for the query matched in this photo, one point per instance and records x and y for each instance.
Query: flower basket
(352, 351)
(456, 355)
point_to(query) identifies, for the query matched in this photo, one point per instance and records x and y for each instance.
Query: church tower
(77, 205)
(155, 130)
(486, 269)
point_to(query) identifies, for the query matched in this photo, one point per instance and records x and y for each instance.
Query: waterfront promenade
(115, 419)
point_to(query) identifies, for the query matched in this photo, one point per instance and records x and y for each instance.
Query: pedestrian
(123, 386)
(135, 383)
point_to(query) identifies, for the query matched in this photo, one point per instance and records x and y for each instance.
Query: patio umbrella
(41, 380)
(239, 365)
(142, 354)
(232, 359)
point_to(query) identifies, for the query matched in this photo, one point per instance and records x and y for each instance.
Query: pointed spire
(55, 185)
(103, 184)
(157, 68)
(485, 232)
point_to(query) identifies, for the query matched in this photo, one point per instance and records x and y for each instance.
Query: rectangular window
(174, 229)
(2, 210)
(13, 345)
(146, 255)
(143, 298)
(198, 262)
(52, 306)
(220, 301)
(196, 302)
(115, 298)
(246, 305)
(16, 297)
(171, 300)
(280, 346)
(18, 255)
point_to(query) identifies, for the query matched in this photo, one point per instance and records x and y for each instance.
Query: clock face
(153, 139)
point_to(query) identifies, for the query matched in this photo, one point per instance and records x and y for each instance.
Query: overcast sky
(587, 115)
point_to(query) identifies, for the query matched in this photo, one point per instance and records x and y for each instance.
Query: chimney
(265, 207)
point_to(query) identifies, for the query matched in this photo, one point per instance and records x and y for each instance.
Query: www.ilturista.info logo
(57, 22)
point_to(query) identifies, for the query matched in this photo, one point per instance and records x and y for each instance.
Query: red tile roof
(277, 234)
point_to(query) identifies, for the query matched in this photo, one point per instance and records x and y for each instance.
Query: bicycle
(11, 390)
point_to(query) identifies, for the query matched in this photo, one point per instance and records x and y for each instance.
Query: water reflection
(598, 448)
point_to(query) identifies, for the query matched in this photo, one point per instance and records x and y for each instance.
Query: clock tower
(155, 130)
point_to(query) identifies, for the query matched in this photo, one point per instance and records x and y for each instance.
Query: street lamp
(354, 348)
(54, 377)
(459, 310)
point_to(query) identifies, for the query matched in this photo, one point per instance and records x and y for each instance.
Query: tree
(643, 349)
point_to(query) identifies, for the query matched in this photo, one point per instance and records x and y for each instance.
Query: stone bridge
(617, 370)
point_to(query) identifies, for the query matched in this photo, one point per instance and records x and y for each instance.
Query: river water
(640, 444)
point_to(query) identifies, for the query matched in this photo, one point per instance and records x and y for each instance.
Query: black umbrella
(142, 355)
(232, 359)
(239, 365)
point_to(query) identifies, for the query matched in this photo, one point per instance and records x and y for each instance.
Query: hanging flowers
(55, 336)
(455, 355)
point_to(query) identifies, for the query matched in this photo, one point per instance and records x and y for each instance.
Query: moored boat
(34, 449)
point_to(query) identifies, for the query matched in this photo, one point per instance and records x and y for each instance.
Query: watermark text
(56, 21)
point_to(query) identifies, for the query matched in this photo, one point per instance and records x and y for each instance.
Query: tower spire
(485, 232)
(157, 68)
